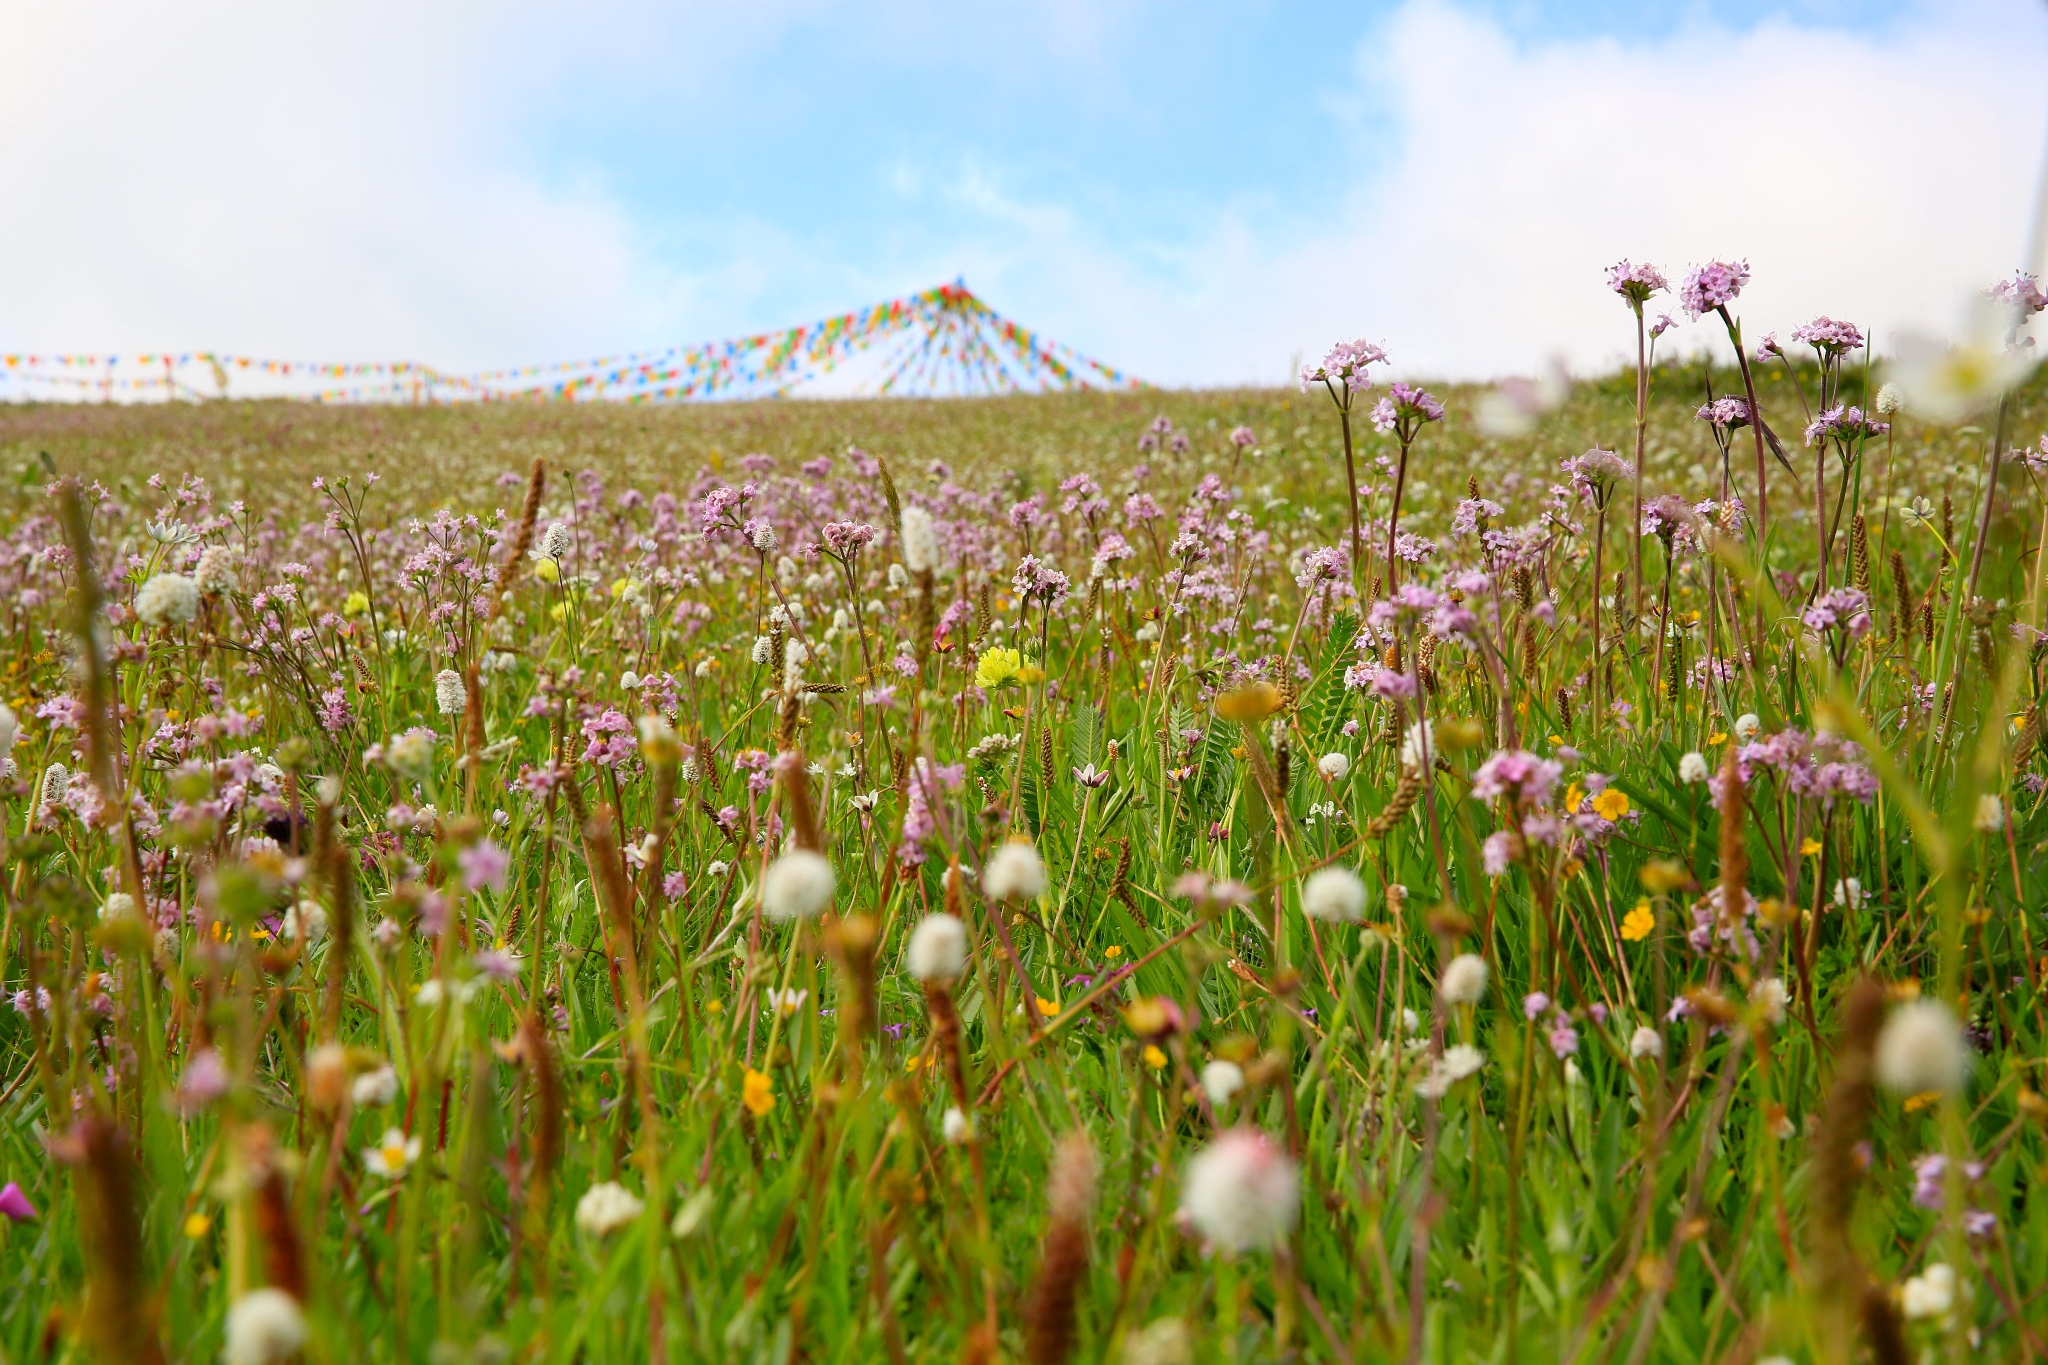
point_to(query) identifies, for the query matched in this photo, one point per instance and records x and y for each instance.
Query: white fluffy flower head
(1242, 1192)
(1221, 1080)
(798, 885)
(606, 1207)
(1921, 1049)
(938, 949)
(1333, 894)
(263, 1326)
(920, 545)
(1464, 980)
(1693, 768)
(450, 696)
(1014, 872)
(1334, 765)
(169, 599)
(216, 572)
(1418, 746)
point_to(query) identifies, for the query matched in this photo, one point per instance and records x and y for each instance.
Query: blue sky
(1196, 191)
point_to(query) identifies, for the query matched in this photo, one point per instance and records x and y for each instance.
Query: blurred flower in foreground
(1514, 406)
(1241, 1192)
(1950, 381)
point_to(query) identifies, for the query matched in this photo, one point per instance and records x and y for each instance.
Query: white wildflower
(264, 1326)
(1921, 1049)
(798, 885)
(1464, 980)
(169, 599)
(1014, 873)
(1242, 1192)
(1221, 1080)
(938, 949)
(606, 1207)
(1334, 894)
(450, 696)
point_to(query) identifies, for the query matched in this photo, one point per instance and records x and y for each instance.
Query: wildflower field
(1343, 874)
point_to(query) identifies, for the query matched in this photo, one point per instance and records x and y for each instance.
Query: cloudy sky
(1199, 192)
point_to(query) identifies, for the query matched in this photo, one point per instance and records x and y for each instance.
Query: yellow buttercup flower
(758, 1093)
(1637, 924)
(358, 602)
(1048, 1008)
(996, 666)
(1154, 1058)
(1574, 797)
(547, 571)
(1809, 847)
(1611, 804)
(1249, 704)
(197, 1225)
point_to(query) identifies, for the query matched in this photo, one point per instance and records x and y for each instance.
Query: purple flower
(1034, 578)
(1471, 516)
(1516, 772)
(1846, 608)
(1392, 684)
(1667, 516)
(1828, 336)
(1534, 1003)
(1663, 324)
(1325, 565)
(2021, 292)
(1846, 425)
(1725, 414)
(1595, 473)
(1344, 367)
(1635, 282)
(1242, 437)
(1712, 286)
(483, 865)
(15, 1205)
(1497, 854)
(844, 538)
(1405, 409)
(1564, 1039)
(205, 1080)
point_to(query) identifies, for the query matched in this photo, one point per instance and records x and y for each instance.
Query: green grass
(1604, 1207)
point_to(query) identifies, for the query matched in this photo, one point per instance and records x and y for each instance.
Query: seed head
(1921, 1049)
(1014, 872)
(798, 885)
(1242, 1192)
(938, 949)
(1334, 894)
(1464, 980)
(264, 1325)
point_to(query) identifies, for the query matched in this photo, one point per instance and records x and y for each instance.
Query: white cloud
(1875, 178)
(285, 181)
(351, 182)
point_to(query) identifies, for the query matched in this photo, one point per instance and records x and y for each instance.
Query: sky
(1199, 193)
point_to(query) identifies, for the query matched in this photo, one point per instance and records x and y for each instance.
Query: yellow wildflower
(1809, 847)
(1249, 704)
(1048, 1008)
(996, 666)
(1574, 797)
(1637, 924)
(758, 1094)
(1113, 951)
(1154, 1058)
(1611, 804)
(358, 602)
(547, 571)
(197, 1225)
